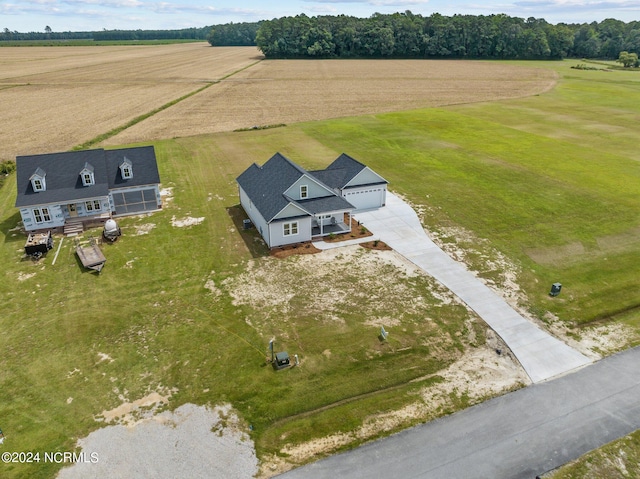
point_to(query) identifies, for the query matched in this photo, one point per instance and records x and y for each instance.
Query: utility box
(281, 361)
(555, 289)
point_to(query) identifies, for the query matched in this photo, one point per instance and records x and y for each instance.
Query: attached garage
(367, 197)
(357, 183)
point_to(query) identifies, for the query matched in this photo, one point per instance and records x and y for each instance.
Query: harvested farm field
(54, 98)
(288, 91)
(79, 93)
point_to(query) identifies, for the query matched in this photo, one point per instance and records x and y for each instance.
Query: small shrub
(7, 167)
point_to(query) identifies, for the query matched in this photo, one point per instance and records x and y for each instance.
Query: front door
(72, 210)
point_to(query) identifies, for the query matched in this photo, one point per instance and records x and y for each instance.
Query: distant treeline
(110, 35)
(405, 35)
(234, 34)
(399, 35)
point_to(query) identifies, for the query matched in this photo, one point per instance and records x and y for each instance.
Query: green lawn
(552, 182)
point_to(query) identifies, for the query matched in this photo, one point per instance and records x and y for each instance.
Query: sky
(91, 15)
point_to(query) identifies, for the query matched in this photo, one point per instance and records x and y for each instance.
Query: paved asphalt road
(518, 435)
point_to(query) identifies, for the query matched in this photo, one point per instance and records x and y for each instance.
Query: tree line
(398, 35)
(109, 35)
(405, 35)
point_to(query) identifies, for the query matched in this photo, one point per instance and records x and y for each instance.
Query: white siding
(254, 215)
(290, 211)
(315, 189)
(278, 238)
(366, 177)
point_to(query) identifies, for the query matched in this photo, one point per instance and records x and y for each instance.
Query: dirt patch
(330, 274)
(192, 441)
(594, 342)
(104, 357)
(166, 194)
(211, 286)
(130, 413)
(144, 229)
(186, 222)
(25, 276)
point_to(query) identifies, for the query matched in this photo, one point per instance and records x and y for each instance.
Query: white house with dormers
(57, 189)
(288, 204)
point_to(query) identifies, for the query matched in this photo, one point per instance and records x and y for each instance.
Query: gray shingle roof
(348, 165)
(324, 205)
(63, 182)
(143, 165)
(340, 172)
(334, 178)
(265, 185)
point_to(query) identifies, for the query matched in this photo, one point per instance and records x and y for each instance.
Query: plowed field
(53, 98)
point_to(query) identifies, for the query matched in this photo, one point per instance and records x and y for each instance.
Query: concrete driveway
(541, 355)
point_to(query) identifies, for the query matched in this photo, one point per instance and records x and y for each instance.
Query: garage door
(366, 199)
(132, 202)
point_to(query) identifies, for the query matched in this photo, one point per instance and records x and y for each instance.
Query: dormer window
(126, 169)
(87, 175)
(37, 180)
(304, 191)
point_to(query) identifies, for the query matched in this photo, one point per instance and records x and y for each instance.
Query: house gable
(314, 189)
(366, 176)
(126, 169)
(87, 175)
(290, 211)
(265, 185)
(38, 182)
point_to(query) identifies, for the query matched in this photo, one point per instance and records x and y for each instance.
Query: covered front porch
(331, 223)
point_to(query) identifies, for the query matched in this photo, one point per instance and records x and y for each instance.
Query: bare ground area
(192, 441)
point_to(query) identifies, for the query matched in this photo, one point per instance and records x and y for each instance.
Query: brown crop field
(288, 91)
(54, 98)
